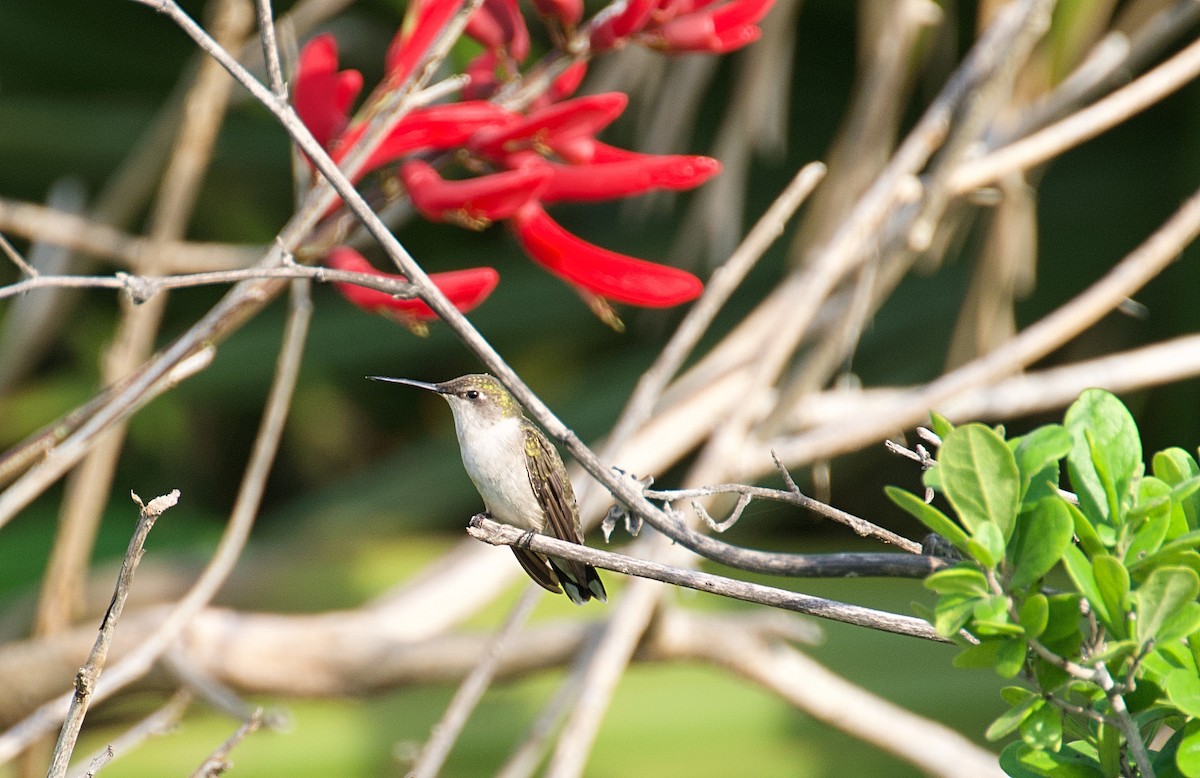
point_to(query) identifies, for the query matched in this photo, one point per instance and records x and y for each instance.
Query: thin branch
(79, 233)
(525, 758)
(85, 681)
(218, 761)
(502, 534)
(157, 723)
(11, 252)
(720, 287)
(229, 549)
(862, 527)
(270, 47)
(446, 732)
(1125, 722)
(142, 288)
(600, 674)
(1158, 251)
(1081, 126)
(837, 565)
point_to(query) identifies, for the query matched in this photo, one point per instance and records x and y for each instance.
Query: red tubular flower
(716, 29)
(323, 95)
(474, 202)
(562, 87)
(600, 271)
(424, 20)
(498, 24)
(632, 176)
(613, 30)
(438, 127)
(464, 288)
(557, 123)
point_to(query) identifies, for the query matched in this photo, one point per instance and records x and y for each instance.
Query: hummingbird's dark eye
(472, 394)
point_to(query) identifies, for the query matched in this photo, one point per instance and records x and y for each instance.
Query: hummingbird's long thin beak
(410, 382)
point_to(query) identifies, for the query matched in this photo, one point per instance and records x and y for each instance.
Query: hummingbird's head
(477, 397)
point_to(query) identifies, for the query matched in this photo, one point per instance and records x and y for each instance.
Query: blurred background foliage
(368, 486)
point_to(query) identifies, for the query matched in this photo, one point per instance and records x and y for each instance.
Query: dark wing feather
(554, 494)
(538, 569)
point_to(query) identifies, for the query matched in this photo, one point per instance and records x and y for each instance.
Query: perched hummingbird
(520, 476)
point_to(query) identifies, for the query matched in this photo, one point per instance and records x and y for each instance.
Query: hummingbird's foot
(478, 518)
(525, 540)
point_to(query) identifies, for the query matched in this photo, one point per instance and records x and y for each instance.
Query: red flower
(465, 288)
(322, 94)
(498, 24)
(716, 29)
(634, 175)
(616, 28)
(600, 271)
(423, 21)
(558, 123)
(436, 128)
(678, 26)
(474, 202)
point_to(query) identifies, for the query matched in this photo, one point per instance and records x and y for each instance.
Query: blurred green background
(80, 81)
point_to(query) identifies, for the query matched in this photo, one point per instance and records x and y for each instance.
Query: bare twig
(717, 292)
(600, 675)
(11, 252)
(142, 288)
(85, 681)
(1083, 125)
(863, 527)
(50, 225)
(137, 662)
(470, 691)
(501, 534)
(157, 723)
(1142, 264)
(218, 761)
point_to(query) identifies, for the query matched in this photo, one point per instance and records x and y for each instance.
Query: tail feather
(580, 582)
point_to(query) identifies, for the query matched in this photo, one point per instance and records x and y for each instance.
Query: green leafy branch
(1089, 595)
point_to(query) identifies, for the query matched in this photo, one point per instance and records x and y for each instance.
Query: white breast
(494, 458)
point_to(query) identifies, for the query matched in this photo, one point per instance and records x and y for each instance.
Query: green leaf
(931, 517)
(1005, 655)
(1162, 596)
(1080, 571)
(1089, 540)
(1112, 581)
(980, 478)
(1176, 466)
(1153, 516)
(1039, 452)
(960, 579)
(1041, 536)
(1187, 758)
(1183, 690)
(987, 547)
(1064, 617)
(1010, 659)
(1183, 624)
(940, 425)
(1034, 615)
(1106, 453)
(952, 613)
(1008, 721)
(1021, 761)
(1043, 728)
(1168, 553)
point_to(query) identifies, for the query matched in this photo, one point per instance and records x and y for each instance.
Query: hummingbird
(519, 475)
